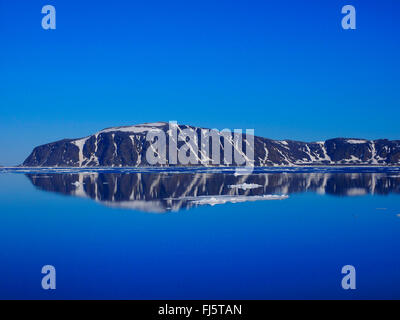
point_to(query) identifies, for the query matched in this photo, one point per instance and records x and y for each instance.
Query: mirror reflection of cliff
(161, 192)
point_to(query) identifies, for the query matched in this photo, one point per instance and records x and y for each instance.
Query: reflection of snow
(356, 192)
(245, 186)
(79, 191)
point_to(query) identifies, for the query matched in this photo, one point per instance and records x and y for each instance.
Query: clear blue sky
(285, 68)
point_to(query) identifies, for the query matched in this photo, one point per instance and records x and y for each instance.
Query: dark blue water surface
(154, 235)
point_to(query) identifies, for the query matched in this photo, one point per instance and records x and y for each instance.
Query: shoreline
(206, 169)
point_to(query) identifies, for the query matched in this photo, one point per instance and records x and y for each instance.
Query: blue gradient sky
(284, 68)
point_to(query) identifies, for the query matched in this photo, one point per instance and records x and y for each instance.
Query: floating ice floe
(221, 199)
(245, 186)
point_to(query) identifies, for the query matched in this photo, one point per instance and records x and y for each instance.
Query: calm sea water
(200, 235)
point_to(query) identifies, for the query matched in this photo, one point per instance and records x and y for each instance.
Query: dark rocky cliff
(127, 146)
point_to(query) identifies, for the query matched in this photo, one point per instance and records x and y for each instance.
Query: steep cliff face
(127, 146)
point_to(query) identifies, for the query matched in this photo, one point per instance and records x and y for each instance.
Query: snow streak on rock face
(127, 146)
